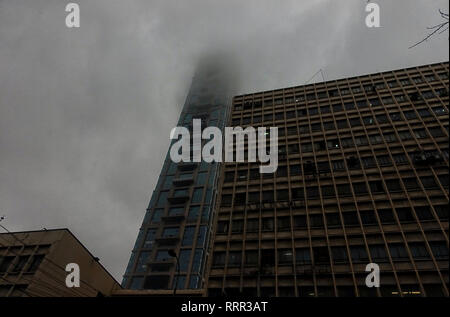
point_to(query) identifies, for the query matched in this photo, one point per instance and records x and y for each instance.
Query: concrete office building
(33, 263)
(362, 178)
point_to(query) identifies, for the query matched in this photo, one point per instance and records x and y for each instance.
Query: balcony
(168, 240)
(187, 166)
(176, 218)
(183, 181)
(179, 196)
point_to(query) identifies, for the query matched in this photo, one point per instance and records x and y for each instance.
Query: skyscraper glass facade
(181, 209)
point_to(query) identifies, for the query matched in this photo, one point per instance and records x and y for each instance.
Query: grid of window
(363, 177)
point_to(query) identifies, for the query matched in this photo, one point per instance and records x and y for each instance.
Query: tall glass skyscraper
(181, 209)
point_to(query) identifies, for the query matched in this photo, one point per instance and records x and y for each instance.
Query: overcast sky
(85, 113)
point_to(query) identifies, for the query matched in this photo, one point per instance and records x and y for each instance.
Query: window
(339, 254)
(188, 237)
(368, 217)
(268, 196)
(419, 251)
(359, 253)
(306, 148)
(439, 249)
(405, 215)
(374, 102)
(285, 256)
(400, 159)
(436, 132)
(222, 227)
(424, 113)
(328, 191)
(333, 220)
(376, 187)
(428, 94)
(443, 179)
(156, 218)
(35, 262)
(251, 258)
(393, 84)
(170, 232)
(384, 160)
(375, 139)
(428, 182)
(378, 252)
(201, 178)
(368, 120)
(396, 116)
(196, 261)
(333, 144)
(387, 100)
(420, 133)
(349, 106)
(355, 122)
(338, 165)
(181, 193)
(393, 185)
(218, 259)
(313, 111)
(410, 114)
(176, 211)
(386, 216)
(252, 225)
(229, 177)
(368, 162)
(162, 201)
(300, 222)
(411, 184)
(347, 142)
(423, 213)
(381, 118)
(197, 196)
(141, 265)
(282, 195)
(237, 226)
(302, 256)
(226, 200)
(312, 192)
(316, 127)
(184, 260)
(405, 135)
(342, 124)
(234, 258)
(136, 283)
(193, 213)
(267, 224)
(323, 167)
(242, 175)
(362, 104)
(361, 141)
(398, 252)
(350, 219)
(440, 111)
(405, 82)
(316, 221)
(344, 190)
(329, 126)
(442, 211)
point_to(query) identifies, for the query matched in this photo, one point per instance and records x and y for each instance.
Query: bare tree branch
(439, 28)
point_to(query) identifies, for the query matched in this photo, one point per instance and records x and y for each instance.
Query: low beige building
(33, 264)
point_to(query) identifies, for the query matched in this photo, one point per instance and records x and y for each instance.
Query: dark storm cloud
(85, 113)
